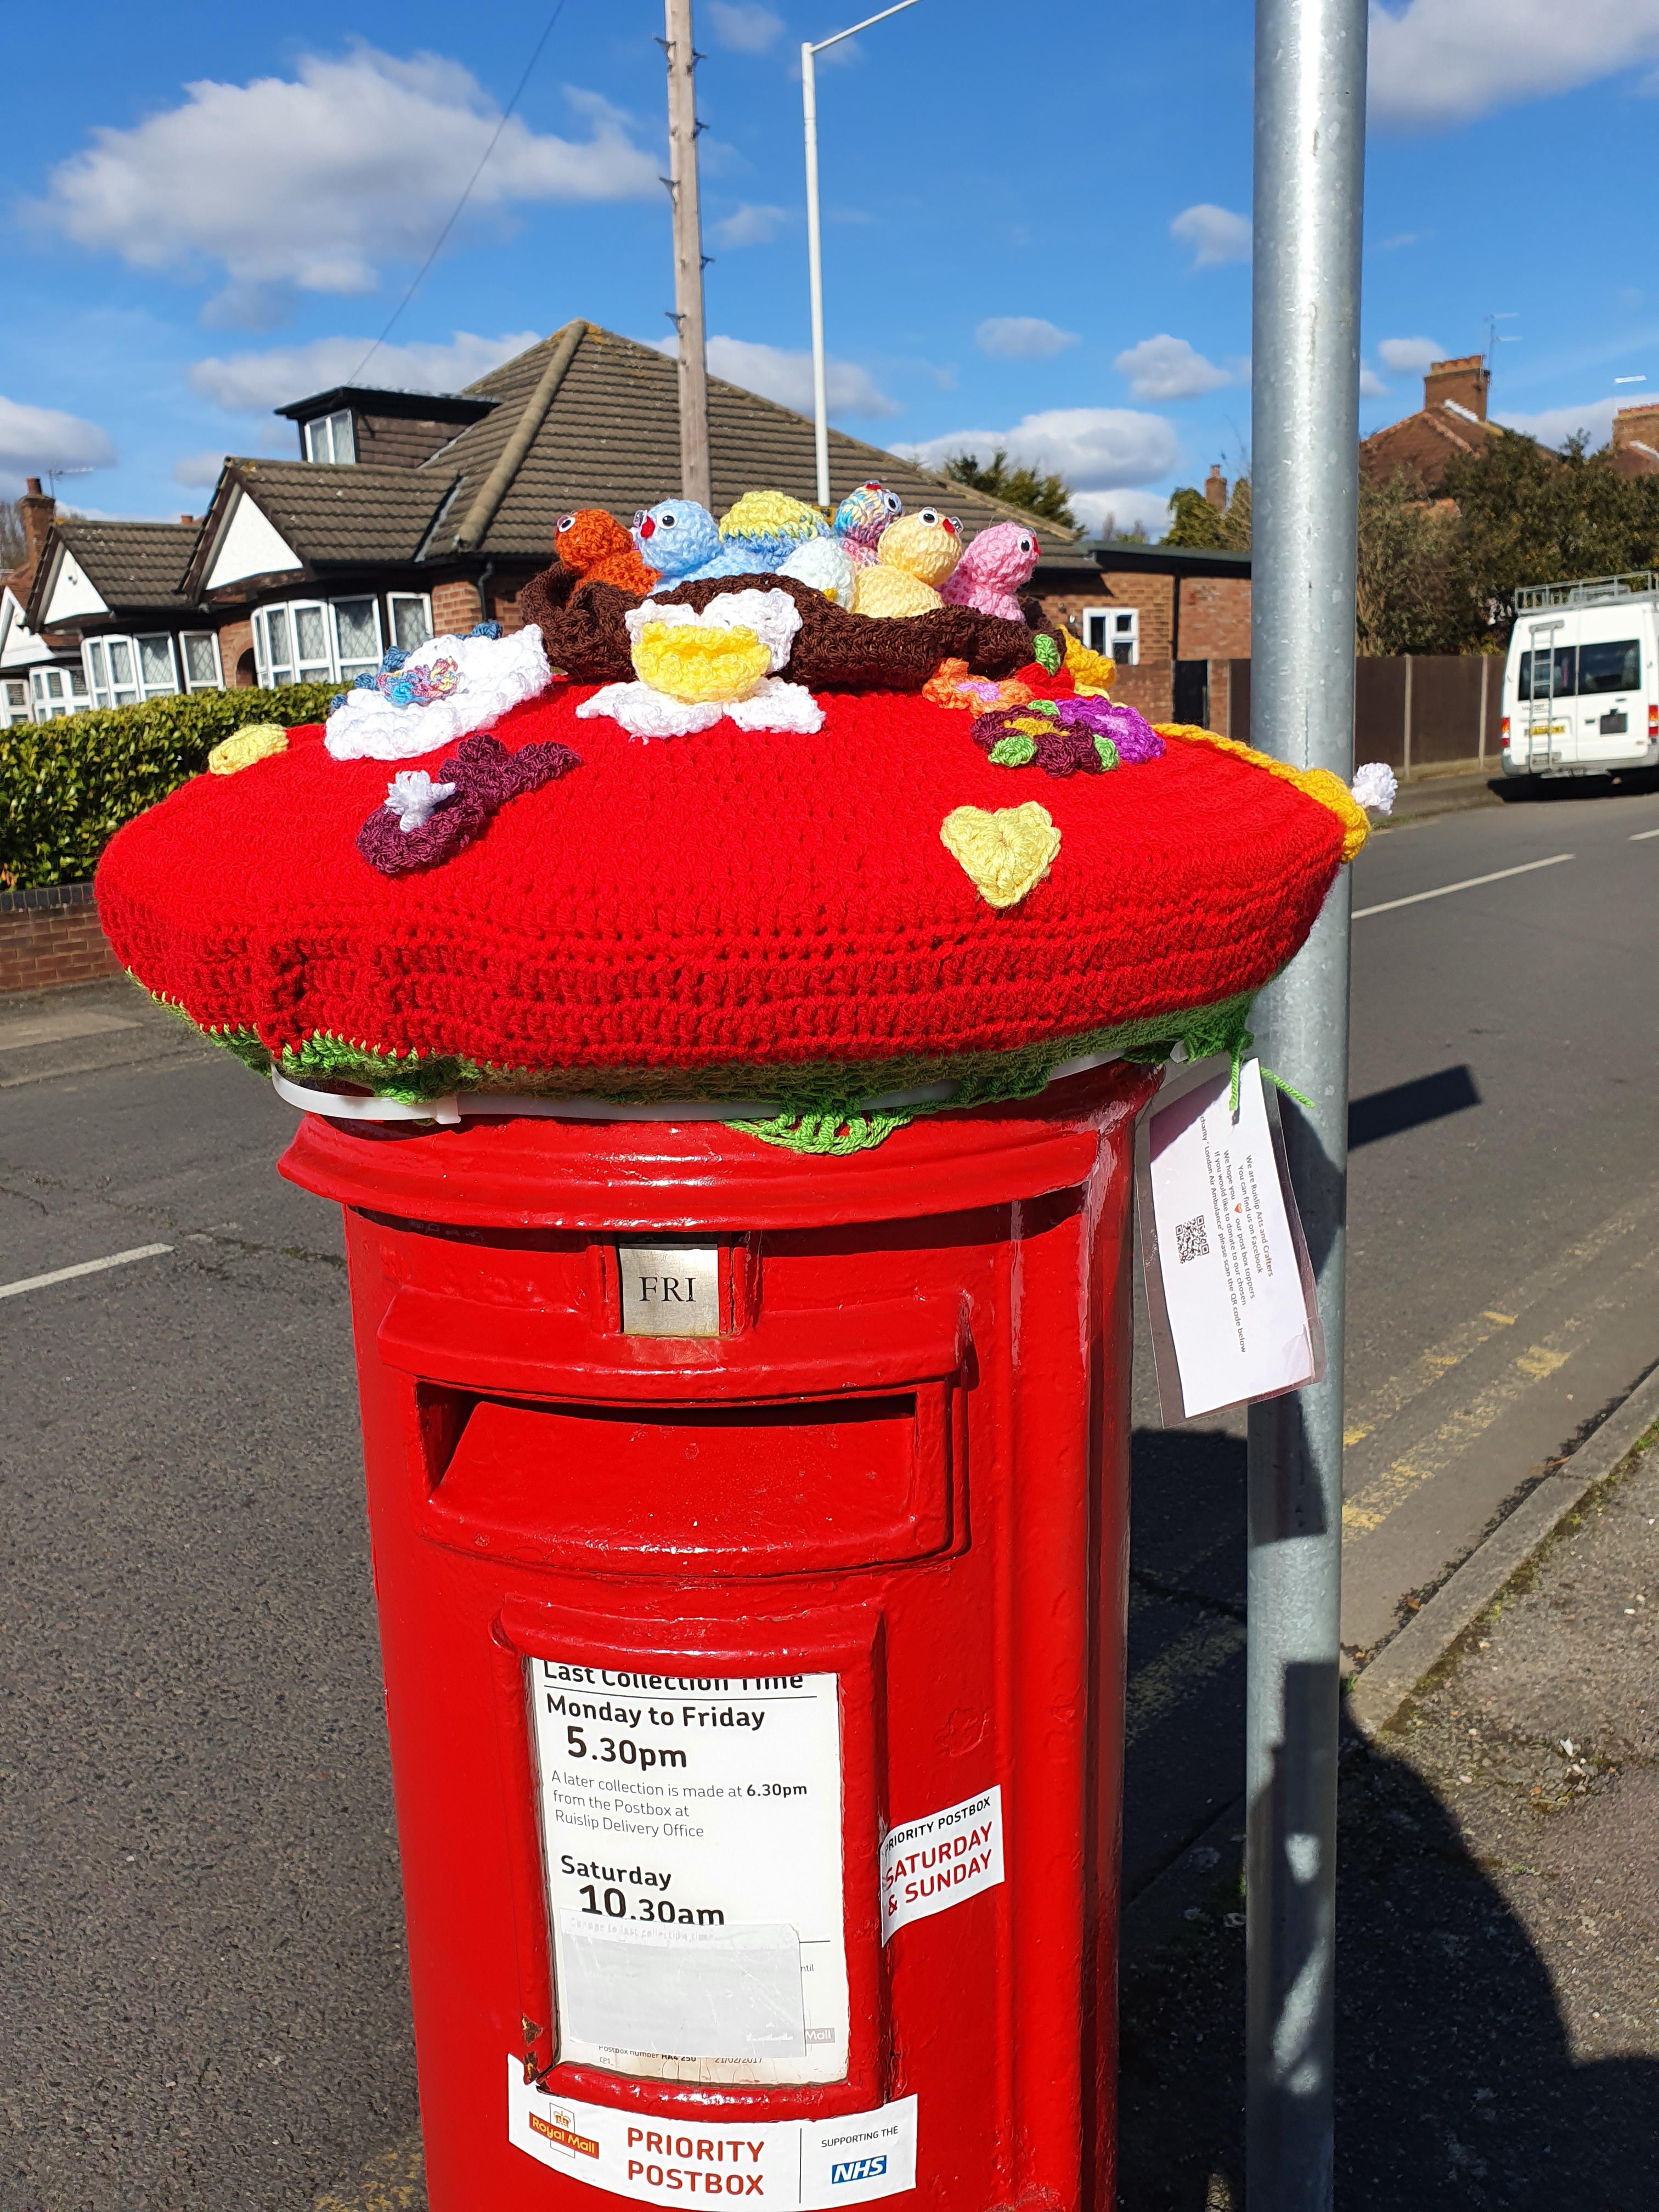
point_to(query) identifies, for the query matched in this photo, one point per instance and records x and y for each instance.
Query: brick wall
(454, 607)
(235, 638)
(51, 937)
(1215, 618)
(1149, 687)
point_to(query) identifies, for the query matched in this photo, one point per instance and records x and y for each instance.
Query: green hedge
(67, 786)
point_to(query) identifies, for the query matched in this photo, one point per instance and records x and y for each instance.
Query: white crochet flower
(413, 798)
(1375, 786)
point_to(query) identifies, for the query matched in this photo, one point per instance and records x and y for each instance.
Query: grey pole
(1309, 161)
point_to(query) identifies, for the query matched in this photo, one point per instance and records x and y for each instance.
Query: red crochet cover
(718, 900)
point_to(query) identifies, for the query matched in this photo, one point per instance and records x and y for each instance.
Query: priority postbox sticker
(792, 2166)
(941, 1860)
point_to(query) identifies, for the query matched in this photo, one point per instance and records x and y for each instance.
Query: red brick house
(1450, 422)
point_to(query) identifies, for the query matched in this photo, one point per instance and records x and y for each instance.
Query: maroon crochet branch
(485, 776)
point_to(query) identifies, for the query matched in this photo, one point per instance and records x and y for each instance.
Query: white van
(1581, 686)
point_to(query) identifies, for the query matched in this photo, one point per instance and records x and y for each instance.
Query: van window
(1566, 674)
(1616, 667)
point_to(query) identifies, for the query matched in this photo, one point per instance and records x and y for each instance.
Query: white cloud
(248, 383)
(1168, 368)
(1434, 63)
(787, 377)
(1553, 426)
(311, 181)
(1114, 514)
(1371, 385)
(750, 225)
(195, 469)
(1022, 338)
(745, 29)
(1214, 234)
(35, 440)
(1410, 356)
(1094, 448)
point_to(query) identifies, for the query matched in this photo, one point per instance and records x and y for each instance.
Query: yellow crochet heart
(697, 663)
(1007, 853)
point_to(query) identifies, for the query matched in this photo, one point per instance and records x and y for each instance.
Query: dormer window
(329, 437)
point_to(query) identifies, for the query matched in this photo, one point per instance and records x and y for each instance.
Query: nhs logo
(857, 2169)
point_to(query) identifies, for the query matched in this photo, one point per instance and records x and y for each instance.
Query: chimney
(1463, 383)
(1215, 488)
(188, 518)
(36, 509)
(1636, 439)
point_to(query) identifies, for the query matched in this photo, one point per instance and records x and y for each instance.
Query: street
(206, 2001)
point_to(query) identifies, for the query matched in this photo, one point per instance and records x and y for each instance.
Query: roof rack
(1589, 592)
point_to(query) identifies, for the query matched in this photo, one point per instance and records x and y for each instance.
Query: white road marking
(57, 1028)
(1640, 837)
(1469, 883)
(86, 1268)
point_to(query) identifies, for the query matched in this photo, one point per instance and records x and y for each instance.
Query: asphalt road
(203, 2002)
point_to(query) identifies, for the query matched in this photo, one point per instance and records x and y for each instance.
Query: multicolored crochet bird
(915, 556)
(770, 525)
(993, 569)
(595, 544)
(861, 518)
(679, 539)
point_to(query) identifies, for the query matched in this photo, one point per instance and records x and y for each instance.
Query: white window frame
(420, 599)
(43, 706)
(15, 711)
(315, 672)
(217, 680)
(359, 663)
(1122, 627)
(100, 682)
(325, 436)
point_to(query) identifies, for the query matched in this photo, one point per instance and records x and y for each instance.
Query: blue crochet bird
(678, 538)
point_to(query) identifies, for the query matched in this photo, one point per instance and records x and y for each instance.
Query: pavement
(1498, 1921)
(204, 2001)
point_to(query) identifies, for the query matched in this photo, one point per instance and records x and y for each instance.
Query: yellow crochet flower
(700, 663)
(254, 741)
(1091, 672)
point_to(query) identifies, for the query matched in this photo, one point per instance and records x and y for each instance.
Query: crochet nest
(816, 917)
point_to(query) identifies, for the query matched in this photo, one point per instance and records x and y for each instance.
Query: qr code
(1191, 1242)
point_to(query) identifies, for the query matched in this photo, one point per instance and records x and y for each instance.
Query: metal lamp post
(1309, 161)
(809, 101)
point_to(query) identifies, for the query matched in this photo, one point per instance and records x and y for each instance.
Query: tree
(1031, 490)
(1531, 516)
(1406, 599)
(1194, 522)
(13, 545)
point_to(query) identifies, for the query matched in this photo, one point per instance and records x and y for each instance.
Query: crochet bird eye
(667, 518)
(565, 521)
(929, 515)
(640, 513)
(1025, 546)
(890, 500)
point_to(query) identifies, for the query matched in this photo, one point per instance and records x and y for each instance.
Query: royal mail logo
(562, 2129)
(857, 2169)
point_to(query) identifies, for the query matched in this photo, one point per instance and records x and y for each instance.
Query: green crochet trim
(819, 1106)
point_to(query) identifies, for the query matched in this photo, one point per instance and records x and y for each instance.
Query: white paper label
(797, 2165)
(692, 1830)
(1231, 1287)
(931, 1864)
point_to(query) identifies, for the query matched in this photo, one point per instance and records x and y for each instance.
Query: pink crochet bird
(994, 567)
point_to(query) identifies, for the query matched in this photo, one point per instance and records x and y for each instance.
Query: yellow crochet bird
(915, 556)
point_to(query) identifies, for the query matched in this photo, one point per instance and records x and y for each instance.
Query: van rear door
(1546, 689)
(1610, 717)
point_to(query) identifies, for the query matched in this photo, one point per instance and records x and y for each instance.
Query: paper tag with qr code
(1228, 1284)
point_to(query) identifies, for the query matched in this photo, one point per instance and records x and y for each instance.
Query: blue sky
(1036, 221)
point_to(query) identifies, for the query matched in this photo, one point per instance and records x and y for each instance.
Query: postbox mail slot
(757, 1489)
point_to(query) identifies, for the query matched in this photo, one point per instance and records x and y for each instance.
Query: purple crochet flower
(1133, 735)
(456, 805)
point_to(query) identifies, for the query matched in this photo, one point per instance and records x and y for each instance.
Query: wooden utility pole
(688, 252)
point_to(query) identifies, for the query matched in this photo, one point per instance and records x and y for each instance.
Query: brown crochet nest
(581, 625)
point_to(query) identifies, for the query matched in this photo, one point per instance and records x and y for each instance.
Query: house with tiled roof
(405, 514)
(1450, 423)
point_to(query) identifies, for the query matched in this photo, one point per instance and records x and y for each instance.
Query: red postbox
(750, 1540)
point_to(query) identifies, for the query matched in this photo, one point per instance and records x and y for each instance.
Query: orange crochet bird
(595, 544)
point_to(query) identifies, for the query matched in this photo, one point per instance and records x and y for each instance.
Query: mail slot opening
(764, 1488)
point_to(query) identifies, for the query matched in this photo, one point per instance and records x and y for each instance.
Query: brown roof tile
(334, 517)
(132, 564)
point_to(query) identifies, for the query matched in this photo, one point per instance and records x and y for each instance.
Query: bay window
(122, 670)
(316, 640)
